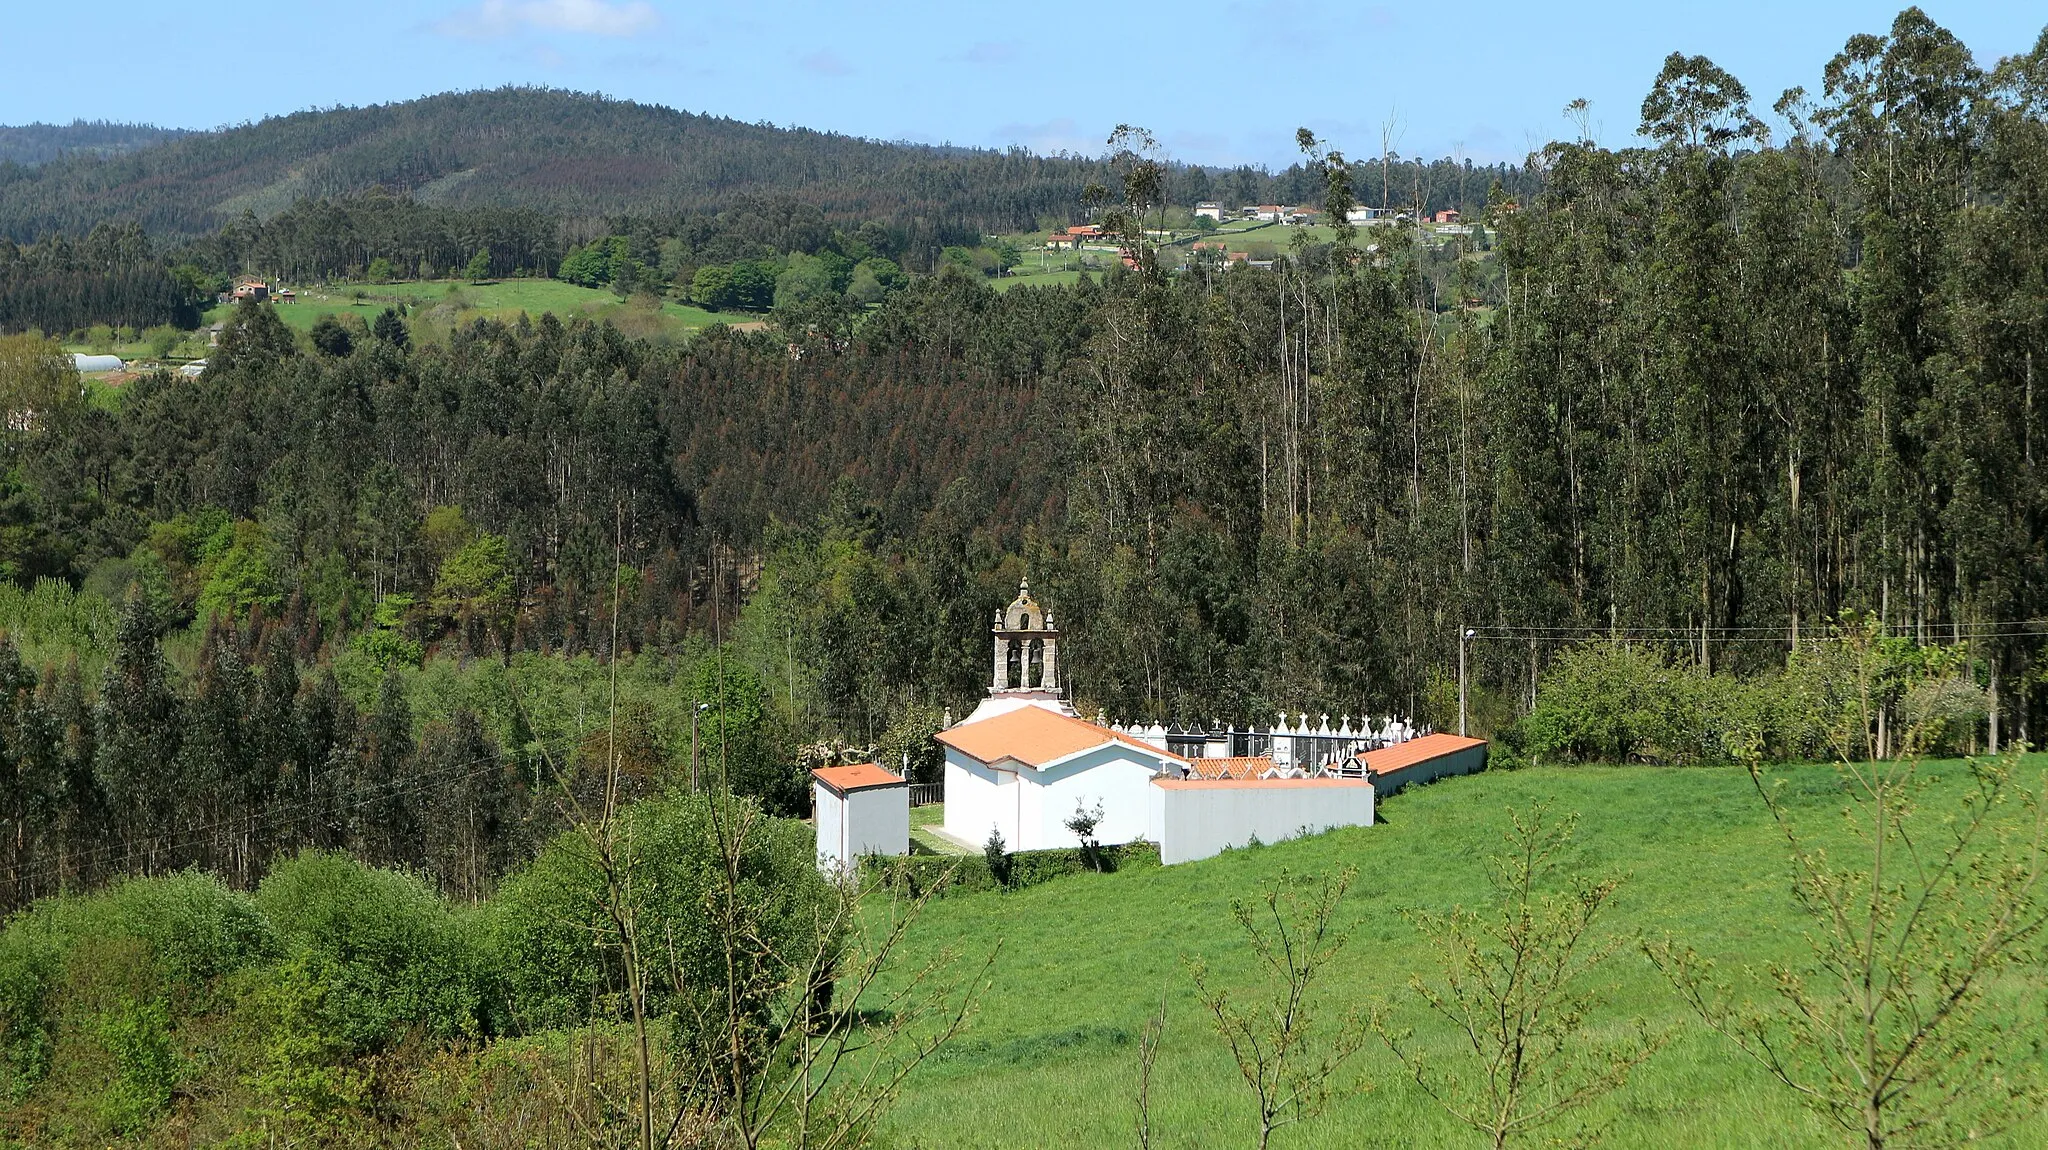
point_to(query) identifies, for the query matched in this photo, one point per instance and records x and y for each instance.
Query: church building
(1024, 763)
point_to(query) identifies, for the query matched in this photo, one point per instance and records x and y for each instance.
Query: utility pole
(1464, 636)
(695, 715)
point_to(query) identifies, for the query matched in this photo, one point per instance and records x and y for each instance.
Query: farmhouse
(1210, 209)
(255, 290)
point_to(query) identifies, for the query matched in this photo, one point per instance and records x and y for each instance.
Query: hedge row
(967, 874)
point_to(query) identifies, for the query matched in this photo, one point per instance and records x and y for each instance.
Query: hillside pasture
(1051, 1060)
(449, 303)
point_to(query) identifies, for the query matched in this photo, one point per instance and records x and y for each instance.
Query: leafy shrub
(147, 1065)
(1613, 702)
(377, 950)
(116, 970)
(560, 950)
(968, 874)
(1945, 711)
(30, 966)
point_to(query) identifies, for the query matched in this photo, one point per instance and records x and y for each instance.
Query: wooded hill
(564, 153)
(571, 155)
(32, 144)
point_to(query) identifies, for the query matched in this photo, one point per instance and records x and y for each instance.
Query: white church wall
(979, 799)
(1114, 776)
(1195, 818)
(1031, 807)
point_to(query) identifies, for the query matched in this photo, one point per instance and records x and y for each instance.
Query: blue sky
(1222, 82)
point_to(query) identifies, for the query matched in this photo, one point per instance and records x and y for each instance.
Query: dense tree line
(1723, 392)
(30, 144)
(111, 276)
(248, 761)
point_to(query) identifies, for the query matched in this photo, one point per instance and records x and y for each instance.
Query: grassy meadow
(446, 303)
(1051, 1059)
(438, 306)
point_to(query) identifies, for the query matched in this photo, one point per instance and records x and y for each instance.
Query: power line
(1779, 635)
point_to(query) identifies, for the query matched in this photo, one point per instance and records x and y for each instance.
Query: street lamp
(1463, 638)
(694, 716)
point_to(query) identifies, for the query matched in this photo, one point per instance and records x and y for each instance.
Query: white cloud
(492, 19)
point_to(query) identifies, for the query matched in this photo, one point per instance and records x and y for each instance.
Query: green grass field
(1051, 1059)
(1029, 276)
(441, 305)
(449, 302)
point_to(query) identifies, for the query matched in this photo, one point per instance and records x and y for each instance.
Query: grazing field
(1028, 276)
(1052, 1058)
(445, 303)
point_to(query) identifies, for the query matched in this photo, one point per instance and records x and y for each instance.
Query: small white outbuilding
(862, 809)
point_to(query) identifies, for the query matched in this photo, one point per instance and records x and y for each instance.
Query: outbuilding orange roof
(1415, 752)
(1036, 736)
(856, 777)
(1246, 767)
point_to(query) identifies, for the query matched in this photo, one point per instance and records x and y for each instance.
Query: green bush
(30, 966)
(148, 1067)
(380, 952)
(560, 949)
(967, 874)
(1616, 702)
(116, 971)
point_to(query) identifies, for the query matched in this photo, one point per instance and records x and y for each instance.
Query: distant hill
(32, 144)
(563, 153)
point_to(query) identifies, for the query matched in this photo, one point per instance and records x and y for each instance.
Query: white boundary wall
(1196, 818)
(868, 821)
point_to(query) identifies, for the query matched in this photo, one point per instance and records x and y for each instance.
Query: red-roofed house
(862, 809)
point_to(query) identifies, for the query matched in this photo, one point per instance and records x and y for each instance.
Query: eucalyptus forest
(1727, 393)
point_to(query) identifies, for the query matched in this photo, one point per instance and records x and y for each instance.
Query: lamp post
(1463, 637)
(694, 716)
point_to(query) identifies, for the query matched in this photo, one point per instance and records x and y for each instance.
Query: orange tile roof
(856, 777)
(1247, 767)
(1415, 752)
(1035, 736)
(1322, 781)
